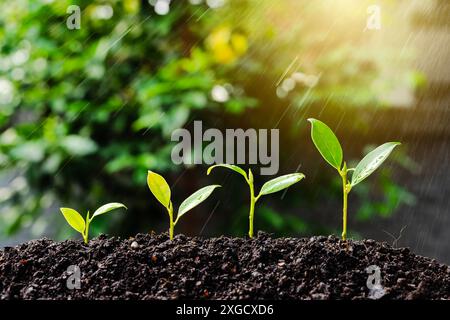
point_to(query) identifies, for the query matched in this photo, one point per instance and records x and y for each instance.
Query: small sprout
(329, 147)
(161, 190)
(76, 221)
(269, 187)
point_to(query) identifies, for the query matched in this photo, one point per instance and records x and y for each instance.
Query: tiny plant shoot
(76, 221)
(161, 190)
(269, 187)
(329, 147)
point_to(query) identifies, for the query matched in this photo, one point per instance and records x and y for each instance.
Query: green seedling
(76, 221)
(329, 147)
(269, 187)
(161, 190)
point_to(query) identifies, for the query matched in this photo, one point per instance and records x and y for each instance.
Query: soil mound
(153, 267)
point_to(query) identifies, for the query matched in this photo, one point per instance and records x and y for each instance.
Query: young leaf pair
(76, 221)
(329, 147)
(161, 190)
(272, 186)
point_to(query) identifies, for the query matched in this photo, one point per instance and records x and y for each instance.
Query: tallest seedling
(329, 147)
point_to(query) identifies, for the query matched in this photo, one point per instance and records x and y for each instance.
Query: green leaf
(108, 207)
(229, 166)
(327, 143)
(159, 187)
(195, 199)
(74, 219)
(372, 161)
(280, 183)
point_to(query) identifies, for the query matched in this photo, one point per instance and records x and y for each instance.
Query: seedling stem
(346, 187)
(86, 230)
(253, 200)
(171, 223)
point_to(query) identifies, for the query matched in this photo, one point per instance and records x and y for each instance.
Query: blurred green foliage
(92, 109)
(84, 113)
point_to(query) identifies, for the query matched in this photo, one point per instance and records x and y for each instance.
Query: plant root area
(151, 266)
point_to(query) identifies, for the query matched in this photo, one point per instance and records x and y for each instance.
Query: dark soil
(219, 268)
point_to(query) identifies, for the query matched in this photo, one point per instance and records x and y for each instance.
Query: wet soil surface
(153, 267)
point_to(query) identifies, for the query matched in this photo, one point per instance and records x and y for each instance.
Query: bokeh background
(85, 113)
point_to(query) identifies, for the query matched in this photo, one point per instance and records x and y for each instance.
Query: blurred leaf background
(85, 113)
